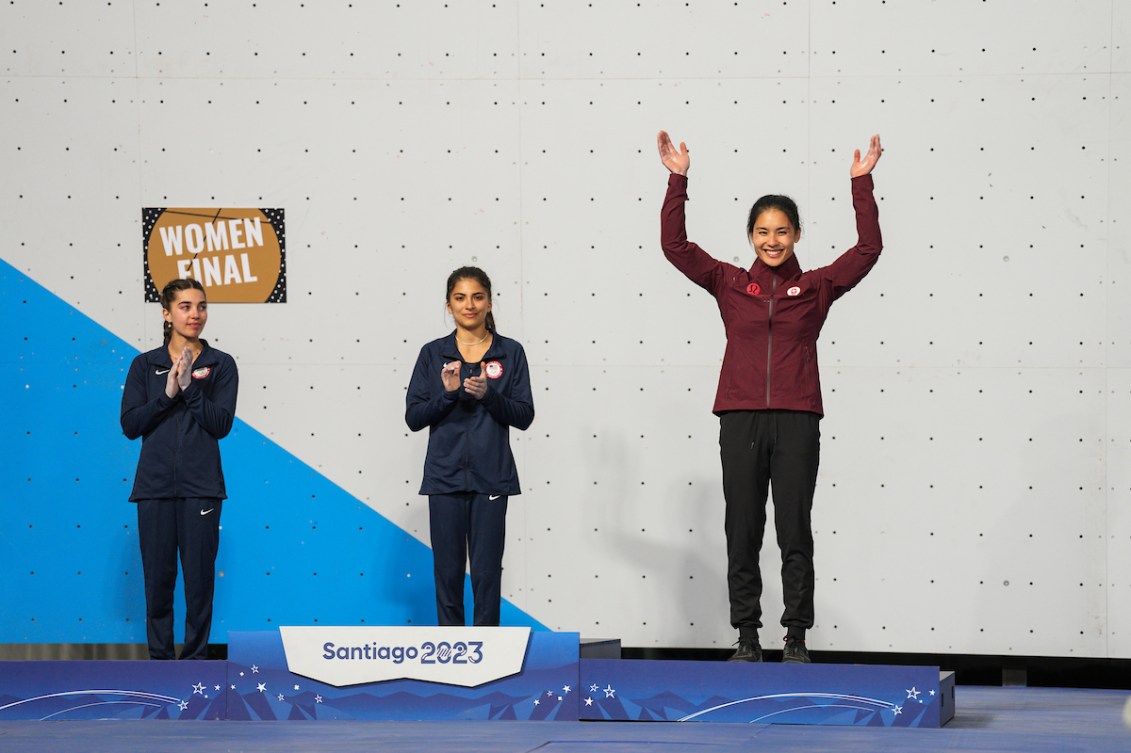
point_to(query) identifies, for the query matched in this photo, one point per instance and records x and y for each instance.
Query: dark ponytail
(477, 274)
(169, 294)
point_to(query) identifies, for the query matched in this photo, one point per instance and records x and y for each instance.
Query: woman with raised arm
(469, 387)
(769, 393)
(180, 398)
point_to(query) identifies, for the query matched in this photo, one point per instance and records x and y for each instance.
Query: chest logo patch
(753, 289)
(493, 369)
(202, 372)
(793, 291)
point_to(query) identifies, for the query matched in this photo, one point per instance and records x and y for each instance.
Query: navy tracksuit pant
(467, 525)
(190, 526)
(760, 450)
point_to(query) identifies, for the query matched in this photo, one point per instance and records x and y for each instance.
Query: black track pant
(468, 526)
(192, 528)
(760, 450)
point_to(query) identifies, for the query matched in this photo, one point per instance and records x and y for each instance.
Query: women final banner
(238, 255)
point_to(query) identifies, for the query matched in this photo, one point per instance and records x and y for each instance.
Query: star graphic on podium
(913, 693)
(593, 688)
(610, 691)
(198, 689)
(897, 710)
(261, 687)
(588, 701)
(183, 705)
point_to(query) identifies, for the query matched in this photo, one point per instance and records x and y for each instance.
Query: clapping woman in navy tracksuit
(180, 399)
(769, 395)
(469, 388)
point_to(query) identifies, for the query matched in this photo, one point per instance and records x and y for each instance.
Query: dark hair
(773, 201)
(169, 294)
(477, 274)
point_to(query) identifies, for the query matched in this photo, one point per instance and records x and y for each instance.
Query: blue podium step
(766, 693)
(85, 690)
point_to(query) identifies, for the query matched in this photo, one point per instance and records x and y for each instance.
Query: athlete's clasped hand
(475, 386)
(450, 375)
(180, 374)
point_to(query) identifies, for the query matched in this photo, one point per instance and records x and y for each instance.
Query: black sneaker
(795, 651)
(748, 650)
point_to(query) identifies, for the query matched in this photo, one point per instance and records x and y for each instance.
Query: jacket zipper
(177, 449)
(466, 435)
(468, 424)
(770, 338)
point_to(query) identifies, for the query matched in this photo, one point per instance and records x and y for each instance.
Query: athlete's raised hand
(676, 161)
(865, 165)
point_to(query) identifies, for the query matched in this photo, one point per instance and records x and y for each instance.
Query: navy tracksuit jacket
(469, 442)
(180, 446)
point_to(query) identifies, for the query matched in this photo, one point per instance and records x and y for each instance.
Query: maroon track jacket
(773, 316)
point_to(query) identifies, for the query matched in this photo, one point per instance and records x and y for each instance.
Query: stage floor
(1029, 720)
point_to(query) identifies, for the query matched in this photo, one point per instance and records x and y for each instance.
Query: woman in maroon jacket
(769, 395)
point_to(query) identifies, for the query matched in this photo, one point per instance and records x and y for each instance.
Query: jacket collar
(788, 270)
(450, 348)
(160, 356)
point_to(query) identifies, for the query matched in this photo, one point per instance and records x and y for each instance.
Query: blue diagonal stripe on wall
(295, 549)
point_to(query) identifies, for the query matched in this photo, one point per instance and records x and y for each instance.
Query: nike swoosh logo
(205, 512)
(166, 371)
(495, 496)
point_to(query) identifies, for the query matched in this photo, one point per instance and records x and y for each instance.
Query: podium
(425, 673)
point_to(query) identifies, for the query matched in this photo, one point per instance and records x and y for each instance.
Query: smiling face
(469, 303)
(773, 237)
(187, 313)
